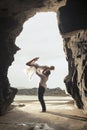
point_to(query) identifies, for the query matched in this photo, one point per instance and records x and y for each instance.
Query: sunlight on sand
(61, 114)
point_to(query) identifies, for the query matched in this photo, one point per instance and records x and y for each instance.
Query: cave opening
(40, 37)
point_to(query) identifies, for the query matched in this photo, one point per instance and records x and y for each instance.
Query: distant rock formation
(49, 92)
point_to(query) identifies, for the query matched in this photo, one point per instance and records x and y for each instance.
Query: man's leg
(41, 92)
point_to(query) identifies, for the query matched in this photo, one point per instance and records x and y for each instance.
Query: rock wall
(72, 23)
(73, 28)
(13, 14)
(75, 48)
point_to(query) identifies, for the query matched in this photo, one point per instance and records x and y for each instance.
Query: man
(43, 72)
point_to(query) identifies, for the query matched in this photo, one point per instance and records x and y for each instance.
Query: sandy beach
(25, 114)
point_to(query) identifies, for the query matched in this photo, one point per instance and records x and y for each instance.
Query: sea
(35, 98)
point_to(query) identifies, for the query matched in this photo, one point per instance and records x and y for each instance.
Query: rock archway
(72, 23)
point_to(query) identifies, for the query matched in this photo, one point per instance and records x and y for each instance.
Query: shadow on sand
(75, 117)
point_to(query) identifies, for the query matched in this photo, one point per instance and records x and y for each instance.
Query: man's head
(52, 67)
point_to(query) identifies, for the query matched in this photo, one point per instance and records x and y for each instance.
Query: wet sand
(61, 114)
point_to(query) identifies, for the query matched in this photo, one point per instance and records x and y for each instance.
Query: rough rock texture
(72, 17)
(72, 24)
(76, 54)
(73, 28)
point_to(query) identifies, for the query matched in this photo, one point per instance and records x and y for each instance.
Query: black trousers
(41, 91)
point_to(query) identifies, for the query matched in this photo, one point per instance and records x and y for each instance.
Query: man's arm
(40, 74)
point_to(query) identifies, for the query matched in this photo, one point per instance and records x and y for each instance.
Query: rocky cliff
(49, 92)
(73, 25)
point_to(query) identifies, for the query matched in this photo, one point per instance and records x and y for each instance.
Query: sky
(40, 38)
